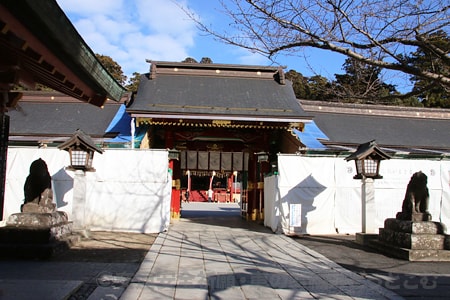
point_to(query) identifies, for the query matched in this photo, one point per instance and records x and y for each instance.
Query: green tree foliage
(299, 84)
(435, 94)
(320, 88)
(113, 68)
(206, 60)
(311, 88)
(361, 83)
(190, 60)
(133, 82)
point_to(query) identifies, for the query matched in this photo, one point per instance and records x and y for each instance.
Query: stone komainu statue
(416, 198)
(38, 189)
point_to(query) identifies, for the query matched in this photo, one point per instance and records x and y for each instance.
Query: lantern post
(367, 159)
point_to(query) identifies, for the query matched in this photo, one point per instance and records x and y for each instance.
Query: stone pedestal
(414, 240)
(36, 235)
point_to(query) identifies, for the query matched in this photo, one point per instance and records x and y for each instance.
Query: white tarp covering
(130, 190)
(318, 195)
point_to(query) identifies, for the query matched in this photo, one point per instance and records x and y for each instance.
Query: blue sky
(131, 31)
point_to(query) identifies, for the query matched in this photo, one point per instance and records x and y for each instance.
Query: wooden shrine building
(224, 123)
(39, 45)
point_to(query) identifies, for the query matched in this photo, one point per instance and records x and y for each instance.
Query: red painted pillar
(175, 203)
(230, 188)
(174, 165)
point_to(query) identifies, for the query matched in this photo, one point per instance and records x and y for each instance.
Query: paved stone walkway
(219, 257)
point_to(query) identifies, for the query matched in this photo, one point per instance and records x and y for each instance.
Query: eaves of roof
(39, 44)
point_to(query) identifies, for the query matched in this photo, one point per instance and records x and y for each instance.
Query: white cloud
(141, 47)
(164, 16)
(248, 58)
(87, 8)
(132, 31)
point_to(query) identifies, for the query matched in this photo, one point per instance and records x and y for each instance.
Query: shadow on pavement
(411, 280)
(219, 214)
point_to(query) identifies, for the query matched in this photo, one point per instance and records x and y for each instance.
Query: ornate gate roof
(223, 95)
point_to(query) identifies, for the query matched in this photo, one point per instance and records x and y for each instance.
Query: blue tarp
(121, 123)
(311, 135)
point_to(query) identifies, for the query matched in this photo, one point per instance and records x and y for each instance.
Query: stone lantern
(262, 156)
(367, 158)
(174, 154)
(81, 149)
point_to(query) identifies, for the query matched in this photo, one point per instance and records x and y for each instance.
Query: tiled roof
(55, 117)
(415, 129)
(216, 91)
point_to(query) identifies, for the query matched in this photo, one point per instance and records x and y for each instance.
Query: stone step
(414, 227)
(413, 241)
(410, 254)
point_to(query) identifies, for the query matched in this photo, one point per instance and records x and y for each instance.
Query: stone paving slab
(215, 257)
(219, 258)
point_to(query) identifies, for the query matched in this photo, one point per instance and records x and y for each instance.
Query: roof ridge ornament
(279, 76)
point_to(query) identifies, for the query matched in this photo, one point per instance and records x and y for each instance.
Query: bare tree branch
(380, 33)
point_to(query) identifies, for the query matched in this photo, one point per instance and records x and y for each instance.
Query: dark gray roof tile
(386, 130)
(195, 94)
(60, 119)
